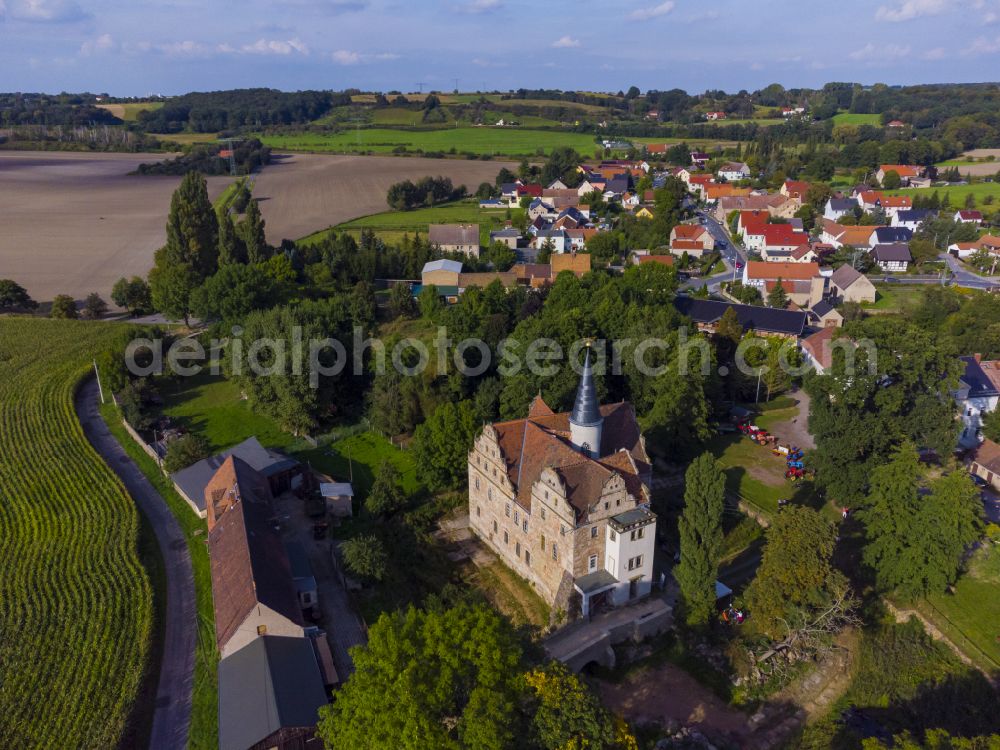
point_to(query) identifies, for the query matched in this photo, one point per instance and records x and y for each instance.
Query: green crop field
(957, 193)
(75, 603)
(130, 111)
(851, 118)
(477, 140)
(392, 225)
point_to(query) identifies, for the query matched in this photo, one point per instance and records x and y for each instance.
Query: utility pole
(420, 87)
(100, 388)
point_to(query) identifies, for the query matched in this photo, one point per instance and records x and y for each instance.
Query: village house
(563, 500)
(847, 284)
(968, 217)
(455, 238)
(699, 159)
(984, 462)
(906, 173)
(715, 116)
(715, 191)
(978, 393)
(893, 204)
(779, 240)
(893, 257)
(817, 350)
(795, 189)
(888, 235)
(777, 205)
(441, 273)
(555, 238)
(911, 218)
(252, 586)
(802, 282)
(734, 171)
(694, 239)
(508, 236)
(576, 263)
(838, 208)
(766, 321)
(824, 315)
(838, 235)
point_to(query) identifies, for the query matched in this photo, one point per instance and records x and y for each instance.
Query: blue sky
(173, 46)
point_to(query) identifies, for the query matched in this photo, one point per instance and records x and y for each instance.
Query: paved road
(172, 717)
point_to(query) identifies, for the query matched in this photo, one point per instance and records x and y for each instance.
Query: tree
(430, 303)
(171, 287)
(251, 231)
(441, 445)
(13, 296)
(915, 540)
(777, 296)
(891, 180)
(991, 425)
(566, 713)
(700, 527)
(133, 294)
(401, 302)
(192, 228)
(796, 578)
(94, 306)
(231, 248)
(366, 556)
(63, 306)
(385, 496)
(605, 246)
(234, 291)
(184, 451)
(442, 678)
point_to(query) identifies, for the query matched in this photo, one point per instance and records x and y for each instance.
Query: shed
(339, 497)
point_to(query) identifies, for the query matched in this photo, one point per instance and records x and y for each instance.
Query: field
(392, 225)
(304, 193)
(969, 616)
(980, 162)
(75, 603)
(185, 139)
(130, 111)
(73, 223)
(851, 118)
(491, 141)
(978, 190)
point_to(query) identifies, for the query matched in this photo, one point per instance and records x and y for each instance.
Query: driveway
(172, 716)
(344, 628)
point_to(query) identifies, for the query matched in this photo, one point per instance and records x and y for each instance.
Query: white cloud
(481, 6)
(186, 48)
(881, 52)
(983, 46)
(566, 42)
(92, 46)
(349, 57)
(644, 14)
(45, 11)
(906, 10)
(276, 47)
(937, 53)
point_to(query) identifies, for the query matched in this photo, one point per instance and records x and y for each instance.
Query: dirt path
(795, 429)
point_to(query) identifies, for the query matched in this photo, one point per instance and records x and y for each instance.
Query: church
(563, 499)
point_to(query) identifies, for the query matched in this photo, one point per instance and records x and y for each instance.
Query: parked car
(979, 481)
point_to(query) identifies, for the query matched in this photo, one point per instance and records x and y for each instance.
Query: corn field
(75, 602)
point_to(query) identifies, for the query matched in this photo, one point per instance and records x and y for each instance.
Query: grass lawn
(360, 456)
(510, 594)
(851, 118)
(187, 138)
(707, 144)
(478, 140)
(893, 298)
(210, 406)
(970, 616)
(204, 716)
(392, 225)
(957, 193)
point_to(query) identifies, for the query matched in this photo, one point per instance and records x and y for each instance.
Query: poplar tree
(700, 527)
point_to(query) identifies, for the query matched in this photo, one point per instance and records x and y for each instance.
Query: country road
(172, 717)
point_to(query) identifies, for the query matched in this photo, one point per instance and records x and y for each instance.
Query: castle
(563, 499)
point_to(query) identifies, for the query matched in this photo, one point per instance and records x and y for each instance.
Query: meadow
(483, 141)
(129, 112)
(76, 607)
(957, 193)
(853, 118)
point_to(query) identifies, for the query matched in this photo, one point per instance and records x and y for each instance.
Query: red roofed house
(795, 189)
(906, 172)
(801, 281)
(563, 499)
(691, 238)
(969, 217)
(780, 240)
(817, 350)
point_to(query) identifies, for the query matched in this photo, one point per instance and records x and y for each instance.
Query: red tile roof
(759, 269)
(666, 260)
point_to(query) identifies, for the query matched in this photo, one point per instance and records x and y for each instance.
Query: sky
(141, 47)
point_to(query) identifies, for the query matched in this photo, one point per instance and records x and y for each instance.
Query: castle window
(614, 536)
(555, 551)
(479, 511)
(494, 527)
(638, 533)
(618, 502)
(494, 471)
(489, 493)
(517, 518)
(592, 563)
(543, 514)
(524, 525)
(506, 538)
(635, 562)
(546, 494)
(607, 505)
(506, 510)
(593, 532)
(527, 557)
(542, 545)
(517, 549)
(585, 447)
(477, 483)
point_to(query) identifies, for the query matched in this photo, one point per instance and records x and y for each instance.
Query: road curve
(172, 717)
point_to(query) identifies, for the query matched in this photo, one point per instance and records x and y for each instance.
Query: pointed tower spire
(585, 421)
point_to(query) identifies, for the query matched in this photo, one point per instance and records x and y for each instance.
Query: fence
(143, 444)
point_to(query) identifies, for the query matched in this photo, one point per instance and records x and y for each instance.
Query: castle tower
(585, 421)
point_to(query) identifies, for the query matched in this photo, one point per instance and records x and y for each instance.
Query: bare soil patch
(303, 193)
(73, 223)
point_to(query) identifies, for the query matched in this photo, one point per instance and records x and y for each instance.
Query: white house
(893, 257)
(977, 394)
(838, 208)
(734, 171)
(968, 217)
